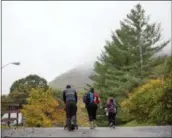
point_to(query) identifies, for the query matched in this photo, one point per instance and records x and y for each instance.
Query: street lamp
(14, 63)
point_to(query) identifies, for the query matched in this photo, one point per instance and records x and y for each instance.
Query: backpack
(96, 98)
(91, 97)
(88, 98)
(112, 108)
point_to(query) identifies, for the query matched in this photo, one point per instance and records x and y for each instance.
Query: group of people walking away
(91, 100)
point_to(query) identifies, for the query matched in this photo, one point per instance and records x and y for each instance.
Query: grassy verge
(135, 124)
(5, 126)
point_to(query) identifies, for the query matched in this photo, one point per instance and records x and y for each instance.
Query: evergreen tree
(127, 59)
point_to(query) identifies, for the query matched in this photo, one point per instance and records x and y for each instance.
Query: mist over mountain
(78, 77)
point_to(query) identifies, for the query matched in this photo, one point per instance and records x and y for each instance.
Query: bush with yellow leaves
(42, 109)
(151, 102)
(82, 116)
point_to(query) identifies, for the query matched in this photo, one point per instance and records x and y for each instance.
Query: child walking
(112, 110)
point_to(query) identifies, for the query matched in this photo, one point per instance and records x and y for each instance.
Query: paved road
(160, 131)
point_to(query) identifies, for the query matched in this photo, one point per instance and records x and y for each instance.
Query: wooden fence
(11, 108)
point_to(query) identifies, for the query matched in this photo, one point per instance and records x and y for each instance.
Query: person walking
(112, 111)
(70, 99)
(91, 100)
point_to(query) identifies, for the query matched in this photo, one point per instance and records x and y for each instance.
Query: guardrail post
(17, 115)
(9, 116)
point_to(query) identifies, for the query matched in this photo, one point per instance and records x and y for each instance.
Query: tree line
(127, 69)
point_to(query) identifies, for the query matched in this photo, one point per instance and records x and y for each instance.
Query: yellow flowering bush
(82, 116)
(42, 109)
(151, 102)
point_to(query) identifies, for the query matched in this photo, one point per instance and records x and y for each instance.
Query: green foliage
(82, 116)
(21, 88)
(162, 67)
(127, 60)
(151, 102)
(168, 67)
(57, 94)
(134, 123)
(5, 100)
(120, 67)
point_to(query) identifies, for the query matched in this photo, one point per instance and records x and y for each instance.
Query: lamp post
(14, 63)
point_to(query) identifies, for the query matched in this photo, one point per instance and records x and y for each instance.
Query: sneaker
(111, 124)
(65, 127)
(72, 122)
(76, 126)
(94, 124)
(72, 127)
(91, 124)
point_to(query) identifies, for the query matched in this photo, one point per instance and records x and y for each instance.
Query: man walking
(70, 99)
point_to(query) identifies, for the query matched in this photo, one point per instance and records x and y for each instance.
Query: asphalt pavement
(150, 131)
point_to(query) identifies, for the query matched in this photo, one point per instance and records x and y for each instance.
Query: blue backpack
(91, 96)
(88, 98)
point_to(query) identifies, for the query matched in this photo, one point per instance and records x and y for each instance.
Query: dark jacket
(70, 95)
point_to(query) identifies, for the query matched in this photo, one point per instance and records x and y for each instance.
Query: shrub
(151, 102)
(42, 109)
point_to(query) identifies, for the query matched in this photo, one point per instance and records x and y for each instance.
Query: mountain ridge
(77, 77)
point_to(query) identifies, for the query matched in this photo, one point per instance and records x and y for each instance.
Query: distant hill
(77, 78)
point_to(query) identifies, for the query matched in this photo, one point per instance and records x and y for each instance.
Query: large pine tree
(127, 58)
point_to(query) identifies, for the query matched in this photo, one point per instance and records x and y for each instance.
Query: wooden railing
(11, 108)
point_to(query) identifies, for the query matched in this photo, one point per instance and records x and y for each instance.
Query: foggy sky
(49, 37)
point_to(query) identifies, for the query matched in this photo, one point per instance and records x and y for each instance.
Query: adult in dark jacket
(70, 99)
(91, 101)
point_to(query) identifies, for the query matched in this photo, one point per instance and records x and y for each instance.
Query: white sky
(49, 38)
